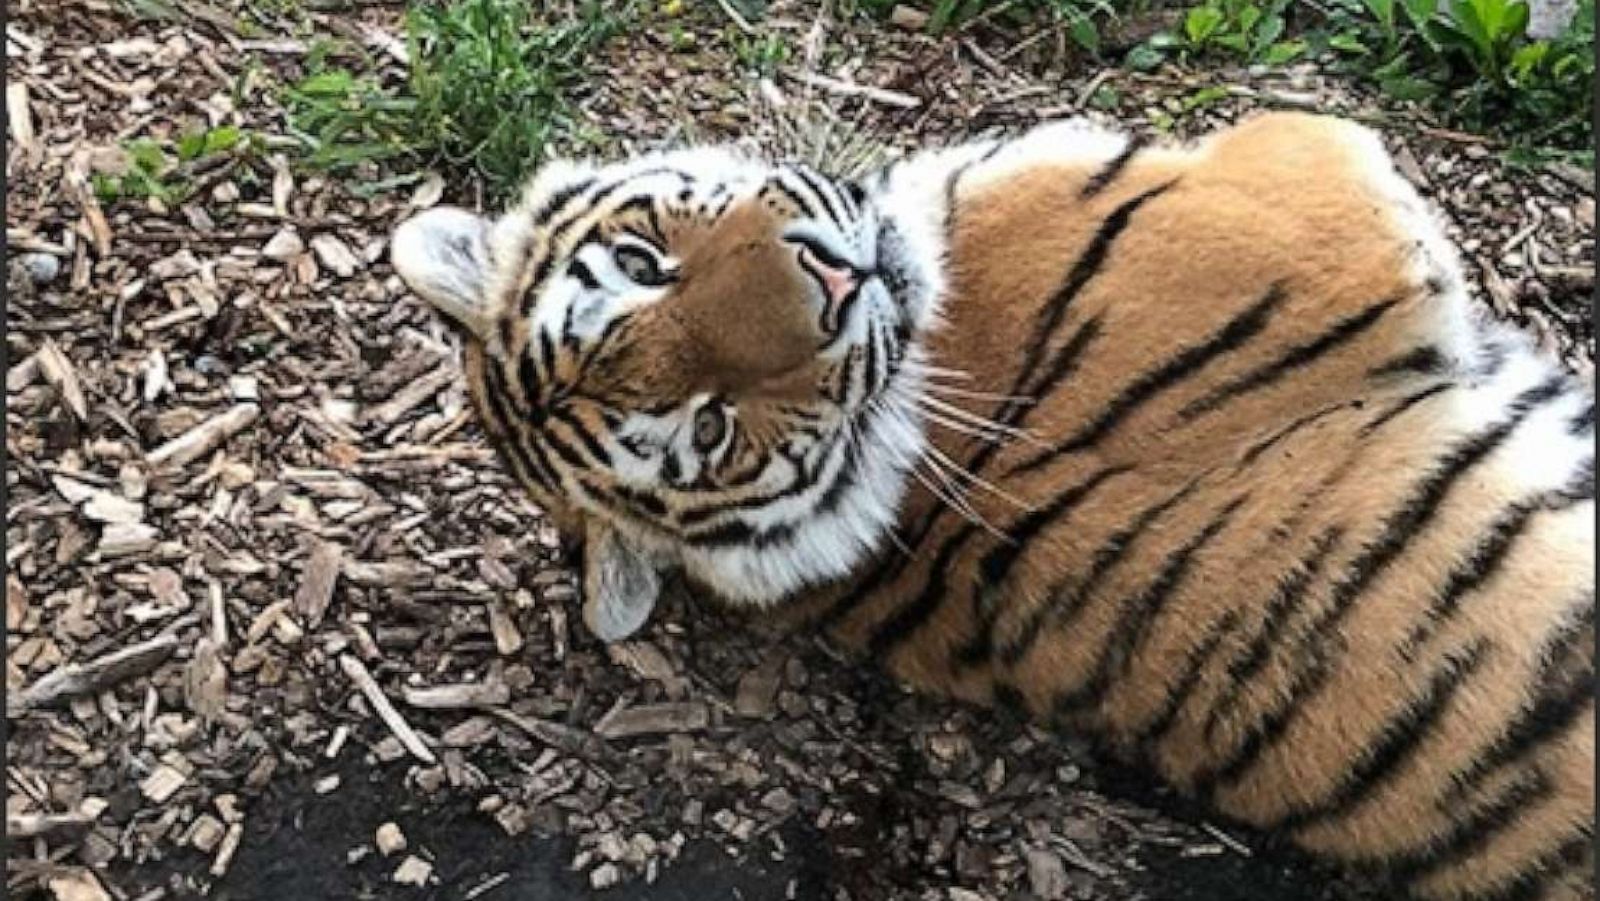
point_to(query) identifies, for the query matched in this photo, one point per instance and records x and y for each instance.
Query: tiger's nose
(839, 282)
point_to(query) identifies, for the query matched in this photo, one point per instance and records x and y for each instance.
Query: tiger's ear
(620, 584)
(442, 254)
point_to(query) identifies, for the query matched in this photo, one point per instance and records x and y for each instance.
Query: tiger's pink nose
(839, 283)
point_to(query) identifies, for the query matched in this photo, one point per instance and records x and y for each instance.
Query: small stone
(389, 839)
(413, 871)
(42, 268)
(326, 784)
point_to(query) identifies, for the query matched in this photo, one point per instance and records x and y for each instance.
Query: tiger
(1201, 451)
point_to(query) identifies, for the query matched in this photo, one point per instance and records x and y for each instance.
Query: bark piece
(205, 437)
(318, 581)
(97, 675)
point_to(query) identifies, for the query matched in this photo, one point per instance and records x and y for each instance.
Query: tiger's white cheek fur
(826, 545)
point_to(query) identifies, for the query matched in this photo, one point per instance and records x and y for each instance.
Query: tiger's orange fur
(1252, 497)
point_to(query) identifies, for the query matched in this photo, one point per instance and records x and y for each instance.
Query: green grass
(486, 91)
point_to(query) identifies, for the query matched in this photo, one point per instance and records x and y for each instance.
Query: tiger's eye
(640, 266)
(710, 427)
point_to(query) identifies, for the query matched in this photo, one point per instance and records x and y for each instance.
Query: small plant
(486, 91)
(153, 174)
(763, 53)
(1471, 58)
(1243, 28)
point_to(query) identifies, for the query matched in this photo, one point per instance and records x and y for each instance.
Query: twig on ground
(74, 679)
(205, 436)
(357, 671)
(851, 89)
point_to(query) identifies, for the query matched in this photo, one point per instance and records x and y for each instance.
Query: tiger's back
(1286, 521)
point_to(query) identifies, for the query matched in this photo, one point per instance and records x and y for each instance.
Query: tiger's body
(1231, 480)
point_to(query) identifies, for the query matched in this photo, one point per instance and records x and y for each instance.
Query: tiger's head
(696, 359)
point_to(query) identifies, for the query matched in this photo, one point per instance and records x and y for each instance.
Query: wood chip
(1047, 875)
(33, 825)
(125, 539)
(206, 832)
(908, 17)
(654, 719)
(205, 681)
(73, 679)
(413, 871)
(317, 582)
(16, 603)
(389, 839)
(230, 844)
(412, 396)
(758, 689)
(76, 885)
(162, 783)
(357, 672)
(456, 697)
(204, 437)
(19, 116)
(557, 735)
(333, 254)
(507, 639)
(60, 373)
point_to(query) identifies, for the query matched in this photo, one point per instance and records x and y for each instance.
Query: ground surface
(349, 522)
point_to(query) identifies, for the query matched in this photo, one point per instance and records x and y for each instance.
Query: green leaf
(335, 83)
(1201, 23)
(1144, 57)
(191, 145)
(1086, 35)
(1248, 18)
(1267, 33)
(106, 187)
(1406, 87)
(1347, 42)
(222, 139)
(1383, 11)
(1420, 12)
(1204, 97)
(146, 155)
(1515, 22)
(1283, 52)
